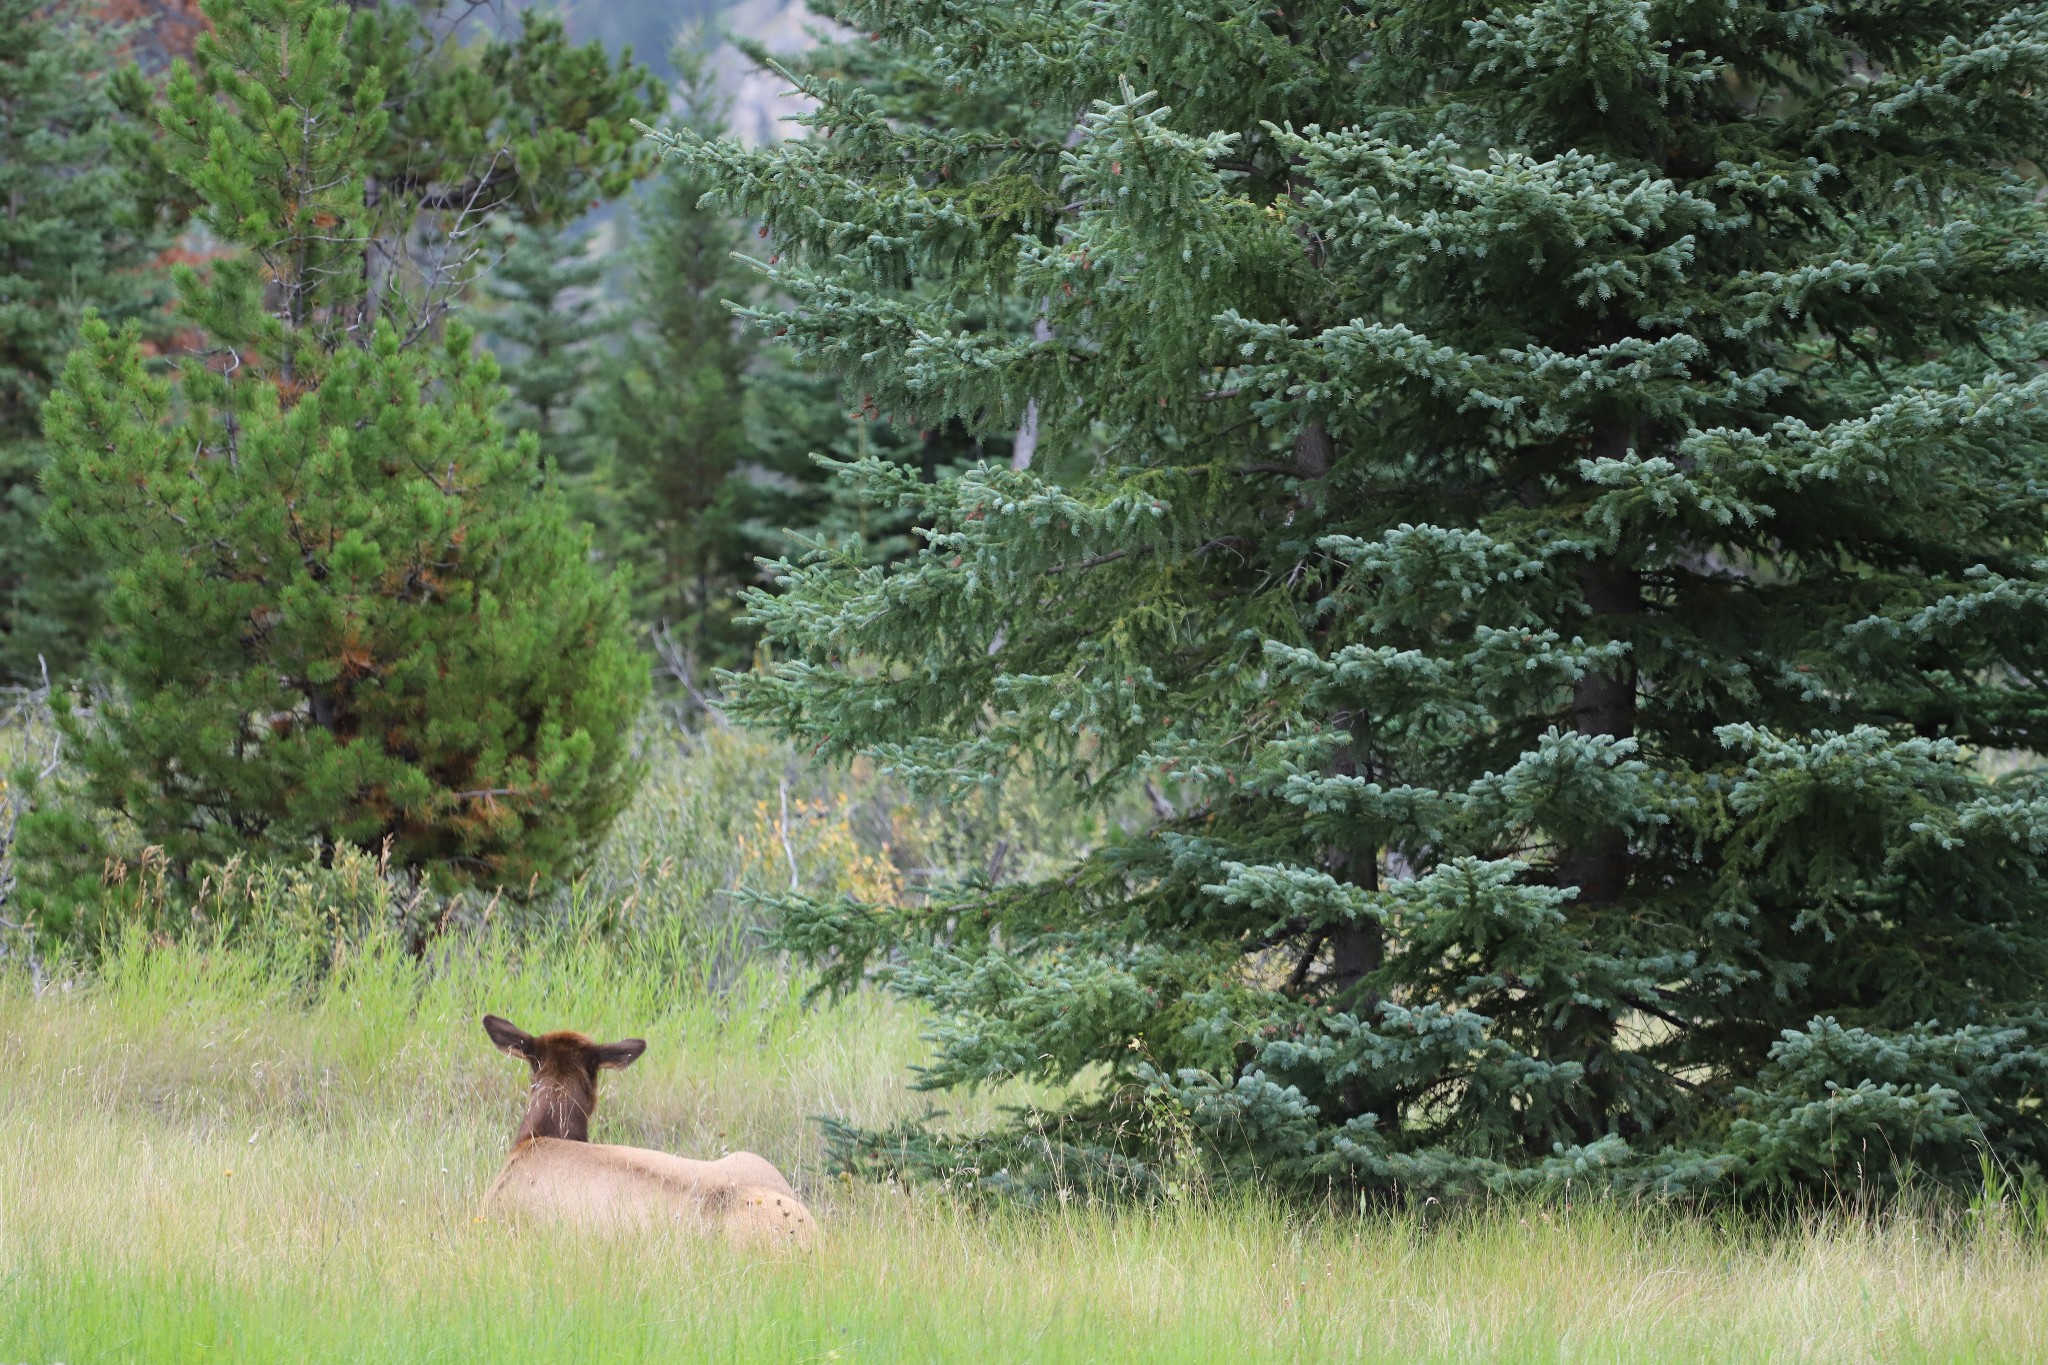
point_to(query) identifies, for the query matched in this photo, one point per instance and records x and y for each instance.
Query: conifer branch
(1096, 561)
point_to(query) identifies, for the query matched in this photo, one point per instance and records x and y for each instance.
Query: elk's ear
(511, 1038)
(621, 1054)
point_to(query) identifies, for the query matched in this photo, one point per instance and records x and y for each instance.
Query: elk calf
(556, 1171)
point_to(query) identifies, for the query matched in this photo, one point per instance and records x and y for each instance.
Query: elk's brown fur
(556, 1172)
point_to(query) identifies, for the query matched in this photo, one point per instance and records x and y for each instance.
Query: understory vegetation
(212, 1157)
(267, 1135)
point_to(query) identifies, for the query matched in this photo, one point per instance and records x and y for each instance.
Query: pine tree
(710, 432)
(519, 127)
(673, 410)
(1560, 493)
(75, 233)
(518, 124)
(545, 329)
(345, 609)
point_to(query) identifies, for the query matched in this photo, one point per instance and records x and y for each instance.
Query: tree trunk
(1025, 444)
(1357, 949)
(1315, 454)
(1602, 704)
(1605, 703)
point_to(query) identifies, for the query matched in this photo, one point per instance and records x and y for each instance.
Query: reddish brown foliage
(166, 29)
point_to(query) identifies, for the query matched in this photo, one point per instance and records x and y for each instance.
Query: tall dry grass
(205, 1157)
(264, 1137)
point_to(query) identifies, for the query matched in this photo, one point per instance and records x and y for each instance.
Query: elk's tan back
(556, 1173)
(604, 1186)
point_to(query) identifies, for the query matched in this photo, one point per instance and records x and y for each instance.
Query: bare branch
(1307, 961)
(1095, 561)
(676, 659)
(1161, 807)
(782, 828)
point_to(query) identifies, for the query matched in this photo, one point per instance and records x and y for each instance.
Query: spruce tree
(1559, 498)
(345, 609)
(76, 232)
(709, 430)
(672, 410)
(545, 329)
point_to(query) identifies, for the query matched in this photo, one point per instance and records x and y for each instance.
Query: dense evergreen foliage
(547, 331)
(1559, 488)
(77, 231)
(709, 432)
(344, 608)
(520, 123)
(672, 409)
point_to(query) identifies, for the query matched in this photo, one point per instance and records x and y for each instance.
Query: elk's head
(565, 1067)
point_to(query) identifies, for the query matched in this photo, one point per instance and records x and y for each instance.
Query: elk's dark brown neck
(558, 1106)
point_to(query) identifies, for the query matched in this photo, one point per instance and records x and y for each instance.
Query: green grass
(273, 1148)
(206, 1159)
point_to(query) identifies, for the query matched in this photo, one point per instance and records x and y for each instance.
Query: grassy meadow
(265, 1138)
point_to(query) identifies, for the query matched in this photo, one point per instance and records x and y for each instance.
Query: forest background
(683, 442)
(688, 486)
